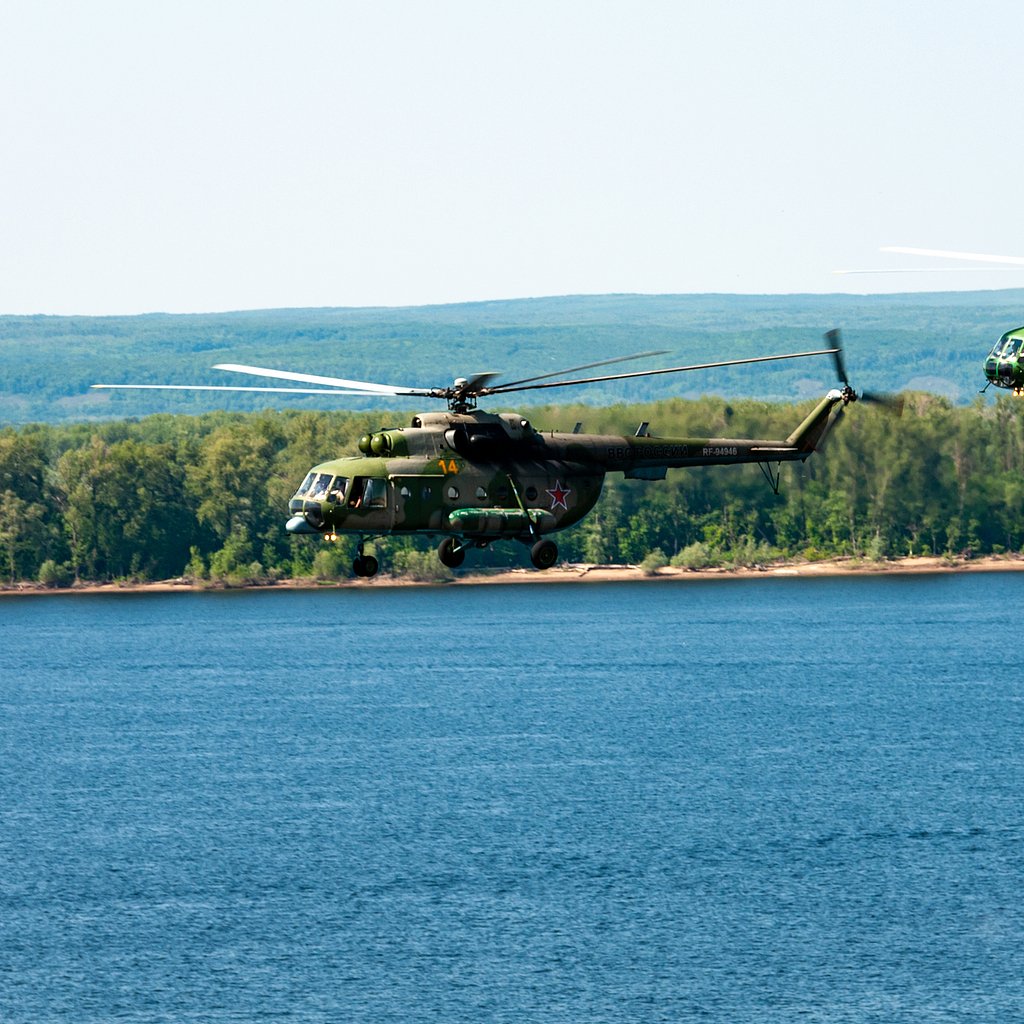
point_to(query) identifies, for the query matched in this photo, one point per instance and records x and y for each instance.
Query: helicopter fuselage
(481, 476)
(476, 475)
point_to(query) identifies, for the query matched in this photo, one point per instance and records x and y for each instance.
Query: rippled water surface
(772, 800)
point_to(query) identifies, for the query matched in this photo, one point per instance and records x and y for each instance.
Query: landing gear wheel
(366, 566)
(544, 554)
(451, 552)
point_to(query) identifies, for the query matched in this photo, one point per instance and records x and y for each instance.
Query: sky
(197, 157)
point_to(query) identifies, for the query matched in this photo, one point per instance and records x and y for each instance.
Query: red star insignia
(558, 495)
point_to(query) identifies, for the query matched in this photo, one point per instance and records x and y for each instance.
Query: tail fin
(810, 434)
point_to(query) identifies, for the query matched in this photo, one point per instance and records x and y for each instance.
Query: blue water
(775, 800)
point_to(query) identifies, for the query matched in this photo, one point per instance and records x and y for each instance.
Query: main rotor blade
(1009, 262)
(946, 254)
(927, 270)
(475, 384)
(228, 387)
(653, 373)
(359, 386)
(585, 366)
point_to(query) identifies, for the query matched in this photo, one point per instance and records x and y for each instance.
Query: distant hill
(932, 342)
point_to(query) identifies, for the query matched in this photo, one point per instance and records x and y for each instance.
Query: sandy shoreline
(568, 574)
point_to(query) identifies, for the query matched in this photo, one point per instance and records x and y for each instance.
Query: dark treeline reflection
(206, 496)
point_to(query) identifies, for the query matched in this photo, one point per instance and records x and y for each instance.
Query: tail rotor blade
(835, 342)
(890, 403)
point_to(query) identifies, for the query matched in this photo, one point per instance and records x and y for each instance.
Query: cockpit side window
(336, 493)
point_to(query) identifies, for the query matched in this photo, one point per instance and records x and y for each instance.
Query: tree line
(206, 496)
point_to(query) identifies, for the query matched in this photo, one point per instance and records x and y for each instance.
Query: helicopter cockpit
(323, 497)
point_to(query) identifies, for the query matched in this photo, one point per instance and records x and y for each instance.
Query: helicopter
(1004, 365)
(472, 477)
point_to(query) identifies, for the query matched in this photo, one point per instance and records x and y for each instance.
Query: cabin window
(531, 493)
(1012, 348)
(453, 493)
(481, 493)
(368, 492)
(375, 494)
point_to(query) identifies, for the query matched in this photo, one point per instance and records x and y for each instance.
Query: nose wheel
(365, 565)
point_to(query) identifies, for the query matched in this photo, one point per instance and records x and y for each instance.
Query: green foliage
(653, 561)
(697, 555)
(748, 553)
(233, 564)
(196, 568)
(422, 566)
(332, 562)
(53, 575)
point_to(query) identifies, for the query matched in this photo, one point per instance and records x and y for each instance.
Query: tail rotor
(891, 403)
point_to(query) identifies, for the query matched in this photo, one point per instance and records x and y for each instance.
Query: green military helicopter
(473, 477)
(1004, 366)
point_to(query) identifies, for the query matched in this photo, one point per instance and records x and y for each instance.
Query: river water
(766, 800)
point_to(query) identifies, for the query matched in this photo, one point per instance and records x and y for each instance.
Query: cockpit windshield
(305, 485)
(322, 487)
(318, 490)
(1006, 348)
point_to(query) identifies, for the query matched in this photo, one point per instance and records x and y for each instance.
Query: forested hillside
(207, 495)
(930, 342)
